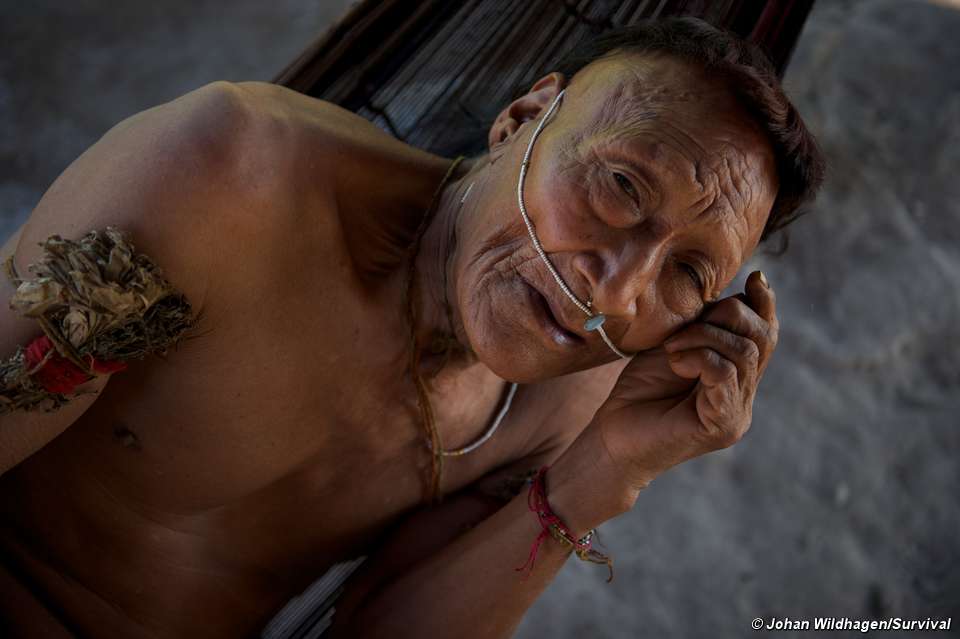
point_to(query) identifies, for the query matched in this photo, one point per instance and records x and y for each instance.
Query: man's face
(648, 189)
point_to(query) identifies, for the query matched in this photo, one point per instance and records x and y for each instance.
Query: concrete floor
(842, 499)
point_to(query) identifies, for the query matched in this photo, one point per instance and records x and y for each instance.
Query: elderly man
(377, 327)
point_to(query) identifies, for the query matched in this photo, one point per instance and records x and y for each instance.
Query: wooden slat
(435, 72)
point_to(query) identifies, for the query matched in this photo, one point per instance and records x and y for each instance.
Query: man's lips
(551, 319)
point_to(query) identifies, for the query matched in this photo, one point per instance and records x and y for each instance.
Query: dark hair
(752, 79)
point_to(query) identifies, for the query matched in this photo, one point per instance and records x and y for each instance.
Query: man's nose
(619, 280)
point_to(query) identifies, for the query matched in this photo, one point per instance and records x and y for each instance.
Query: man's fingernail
(763, 279)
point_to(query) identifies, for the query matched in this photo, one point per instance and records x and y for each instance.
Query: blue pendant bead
(594, 322)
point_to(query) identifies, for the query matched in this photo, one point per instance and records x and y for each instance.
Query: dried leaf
(118, 264)
(35, 297)
(76, 327)
(111, 300)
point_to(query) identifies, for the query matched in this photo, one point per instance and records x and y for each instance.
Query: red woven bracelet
(553, 526)
(57, 374)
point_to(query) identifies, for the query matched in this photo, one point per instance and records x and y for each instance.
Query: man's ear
(527, 107)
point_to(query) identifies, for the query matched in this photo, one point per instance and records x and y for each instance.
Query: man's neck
(388, 190)
(439, 332)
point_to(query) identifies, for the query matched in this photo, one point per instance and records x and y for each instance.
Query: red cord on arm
(57, 374)
(553, 526)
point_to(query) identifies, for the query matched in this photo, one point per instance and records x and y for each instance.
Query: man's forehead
(667, 113)
(624, 89)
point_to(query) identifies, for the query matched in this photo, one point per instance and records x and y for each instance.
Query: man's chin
(515, 360)
(510, 341)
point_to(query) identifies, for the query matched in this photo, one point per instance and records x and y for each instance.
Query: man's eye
(625, 184)
(694, 275)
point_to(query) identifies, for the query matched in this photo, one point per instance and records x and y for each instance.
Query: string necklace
(434, 444)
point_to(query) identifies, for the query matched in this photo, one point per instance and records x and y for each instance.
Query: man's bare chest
(278, 468)
(220, 422)
(292, 426)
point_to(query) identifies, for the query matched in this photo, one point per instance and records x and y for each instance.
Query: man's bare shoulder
(296, 108)
(303, 158)
(161, 176)
(305, 136)
(245, 171)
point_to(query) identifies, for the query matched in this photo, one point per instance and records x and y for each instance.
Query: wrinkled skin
(698, 199)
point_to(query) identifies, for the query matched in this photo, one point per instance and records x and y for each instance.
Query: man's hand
(691, 396)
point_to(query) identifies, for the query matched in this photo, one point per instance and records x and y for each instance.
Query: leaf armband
(99, 304)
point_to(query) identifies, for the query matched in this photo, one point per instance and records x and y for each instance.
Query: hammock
(435, 73)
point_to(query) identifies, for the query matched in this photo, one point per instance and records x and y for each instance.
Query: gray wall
(842, 499)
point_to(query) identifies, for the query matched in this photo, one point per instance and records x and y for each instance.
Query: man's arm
(160, 177)
(23, 433)
(470, 587)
